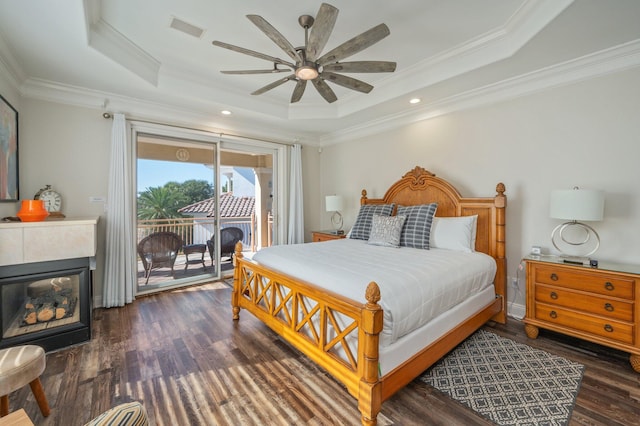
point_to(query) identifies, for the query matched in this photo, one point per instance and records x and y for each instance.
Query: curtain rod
(108, 115)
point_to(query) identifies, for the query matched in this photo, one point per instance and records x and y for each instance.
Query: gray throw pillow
(386, 230)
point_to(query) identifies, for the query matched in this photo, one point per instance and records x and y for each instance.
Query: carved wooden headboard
(419, 186)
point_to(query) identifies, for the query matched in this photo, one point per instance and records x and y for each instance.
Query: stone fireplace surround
(39, 251)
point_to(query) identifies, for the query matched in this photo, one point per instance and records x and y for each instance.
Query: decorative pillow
(417, 226)
(130, 413)
(454, 233)
(386, 230)
(362, 227)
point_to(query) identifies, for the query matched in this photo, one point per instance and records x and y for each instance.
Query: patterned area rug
(508, 383)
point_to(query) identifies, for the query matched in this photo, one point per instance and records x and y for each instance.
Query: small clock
(52, 201)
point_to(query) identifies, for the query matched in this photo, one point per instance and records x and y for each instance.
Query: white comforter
(415, 285)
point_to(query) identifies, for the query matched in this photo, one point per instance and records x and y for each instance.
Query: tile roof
(230, 206)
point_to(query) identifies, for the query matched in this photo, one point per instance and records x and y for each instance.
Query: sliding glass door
(177, 181)
(197, 195)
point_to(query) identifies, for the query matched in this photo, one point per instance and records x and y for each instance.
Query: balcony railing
(199, 230)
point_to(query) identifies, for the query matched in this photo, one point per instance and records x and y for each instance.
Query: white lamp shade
(333, 203)
(577, 204)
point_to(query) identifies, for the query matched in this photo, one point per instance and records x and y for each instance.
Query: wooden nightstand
(601, 305)
(317, 236)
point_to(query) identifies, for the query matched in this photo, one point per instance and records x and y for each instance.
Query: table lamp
(333, 203)
(576, 205)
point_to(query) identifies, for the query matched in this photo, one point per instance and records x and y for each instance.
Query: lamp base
(336, 221)
(575, 249)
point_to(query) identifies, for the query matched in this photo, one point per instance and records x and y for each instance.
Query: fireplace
(45, 282)
(46, 303)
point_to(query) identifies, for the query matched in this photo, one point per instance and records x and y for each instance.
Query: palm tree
(159, 203)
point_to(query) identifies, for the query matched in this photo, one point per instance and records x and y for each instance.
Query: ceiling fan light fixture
(307, 72)
(308, 61)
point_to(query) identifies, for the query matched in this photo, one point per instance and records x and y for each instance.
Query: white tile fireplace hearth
(45, 281)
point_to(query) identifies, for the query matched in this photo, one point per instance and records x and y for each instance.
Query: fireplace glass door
(46, 303)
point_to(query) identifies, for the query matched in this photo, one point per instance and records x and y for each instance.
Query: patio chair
(228, 239)
(158, 250)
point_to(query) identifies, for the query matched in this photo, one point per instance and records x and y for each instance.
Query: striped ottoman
(127, 414)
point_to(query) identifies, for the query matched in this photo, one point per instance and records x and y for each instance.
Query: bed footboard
(339, 334)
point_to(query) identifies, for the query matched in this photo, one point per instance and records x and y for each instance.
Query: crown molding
(10, 66)
(139, 109)
(601, 63)
(608, 61)
(114, 45)
(498, 44)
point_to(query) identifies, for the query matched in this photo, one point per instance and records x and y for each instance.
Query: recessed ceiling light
(225, 112)
(415, 101)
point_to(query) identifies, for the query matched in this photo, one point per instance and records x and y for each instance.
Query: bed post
(501, 273)
(370, 391)
(363, 197)
(235, 302)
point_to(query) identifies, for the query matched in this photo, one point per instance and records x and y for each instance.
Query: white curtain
(296, 211)
(120, 273)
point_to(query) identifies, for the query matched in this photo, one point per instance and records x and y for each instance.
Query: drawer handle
(553, 314)
(608, 307)
(554, 295)
(608, 328)
(609, 286)
(554, 277)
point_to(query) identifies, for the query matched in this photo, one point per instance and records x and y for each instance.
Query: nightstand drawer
(610, 329)
(319, 236)
(609, 285)
(611, 308)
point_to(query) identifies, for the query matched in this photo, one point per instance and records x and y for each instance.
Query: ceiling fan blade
(252, 53)
(348, 82)
(298, 91)
(361, 66)
(274, 35)
(273, 85)
(324, 90)
(321, 30)
(355, 45)
(255, 71)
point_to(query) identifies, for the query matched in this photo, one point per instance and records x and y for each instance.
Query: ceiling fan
(308, 64)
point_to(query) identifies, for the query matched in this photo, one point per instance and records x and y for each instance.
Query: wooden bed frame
(312, 319)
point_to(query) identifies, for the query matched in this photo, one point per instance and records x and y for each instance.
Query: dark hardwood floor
(182, 356)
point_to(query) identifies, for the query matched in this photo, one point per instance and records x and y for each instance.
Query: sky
(152, 173)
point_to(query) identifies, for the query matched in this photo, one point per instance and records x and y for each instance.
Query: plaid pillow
(417, 227)
(362, 228)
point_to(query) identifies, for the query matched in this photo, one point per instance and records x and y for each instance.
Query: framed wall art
(8, 151)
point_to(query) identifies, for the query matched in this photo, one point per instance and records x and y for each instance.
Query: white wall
(586, 134)
(68, 148)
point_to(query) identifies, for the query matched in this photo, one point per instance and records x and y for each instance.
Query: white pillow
(454, 233)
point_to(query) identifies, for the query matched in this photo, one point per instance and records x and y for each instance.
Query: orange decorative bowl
(32, 211)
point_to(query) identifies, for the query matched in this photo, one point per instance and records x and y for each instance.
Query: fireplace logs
(48, 300)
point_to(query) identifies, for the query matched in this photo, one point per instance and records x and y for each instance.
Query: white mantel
(54, 239)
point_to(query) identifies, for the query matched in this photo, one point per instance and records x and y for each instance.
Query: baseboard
(97, 301)
(516, 311)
